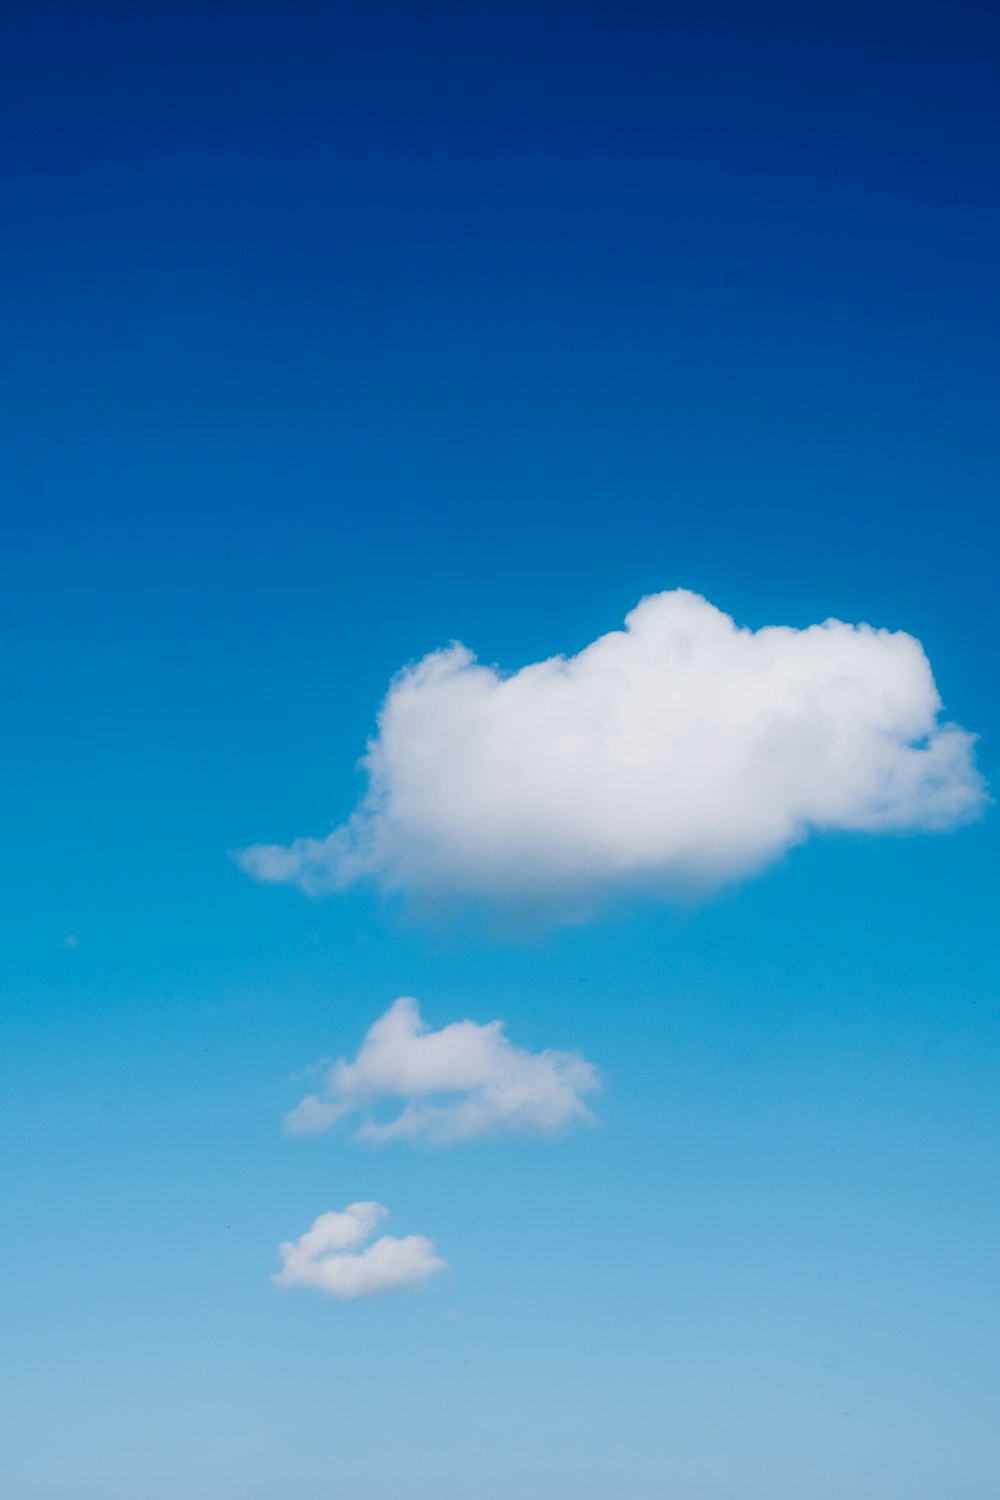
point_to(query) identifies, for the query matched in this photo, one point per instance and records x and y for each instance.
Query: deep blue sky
(334, 333)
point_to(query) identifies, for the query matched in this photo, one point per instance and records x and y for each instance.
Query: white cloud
(463, 1081)
(328, 1258)
(679, 752)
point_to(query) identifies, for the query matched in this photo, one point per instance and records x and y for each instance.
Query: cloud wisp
(456, 1084)
(675, 754)
(329, 1258)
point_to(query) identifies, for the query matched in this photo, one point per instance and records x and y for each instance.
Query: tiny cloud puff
(328, 1258)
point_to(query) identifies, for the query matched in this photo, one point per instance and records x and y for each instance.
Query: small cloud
(675, 754)
(328, 1257)
(460, 1082)
(72, 941)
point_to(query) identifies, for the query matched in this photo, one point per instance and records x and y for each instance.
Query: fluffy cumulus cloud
(329, 1257)
(455, 1084)
(677, 753)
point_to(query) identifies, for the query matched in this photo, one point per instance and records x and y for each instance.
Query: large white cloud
(328, 1256)
(678, 752)
(463, 1081)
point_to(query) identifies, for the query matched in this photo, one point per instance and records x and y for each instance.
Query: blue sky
(337, 334)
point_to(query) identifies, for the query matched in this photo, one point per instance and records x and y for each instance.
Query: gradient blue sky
(334, 333)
